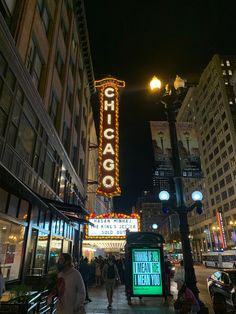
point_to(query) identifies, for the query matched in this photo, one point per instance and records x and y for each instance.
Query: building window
(222, 183)
(12, 236)
(230, 149)
(224, 195)
(26, 139)
(65, 136)
(220, 172)
(59, 63)
(228, 137)
(53, 108)
(231, 191)
(34, 63)
(44, 13)
(228, 63)
(49, 166)
(3, 200)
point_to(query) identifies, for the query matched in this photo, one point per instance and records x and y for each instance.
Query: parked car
(223, 283)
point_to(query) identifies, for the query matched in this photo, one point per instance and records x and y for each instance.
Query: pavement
(120, 306)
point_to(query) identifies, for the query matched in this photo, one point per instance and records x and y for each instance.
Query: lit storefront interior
(92, 248)
(33, 232)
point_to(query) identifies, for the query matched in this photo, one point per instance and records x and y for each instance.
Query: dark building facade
(46, 81)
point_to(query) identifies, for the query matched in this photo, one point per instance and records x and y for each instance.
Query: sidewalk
(120, 306)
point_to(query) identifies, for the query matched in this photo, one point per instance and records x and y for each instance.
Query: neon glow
(108, 171)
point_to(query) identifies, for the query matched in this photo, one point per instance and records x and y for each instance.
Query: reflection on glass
(23, 210)
(11, 244)
(40, 256)
(55, 250)
(66, 246)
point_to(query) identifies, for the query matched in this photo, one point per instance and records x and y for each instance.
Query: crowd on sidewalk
(73, 284)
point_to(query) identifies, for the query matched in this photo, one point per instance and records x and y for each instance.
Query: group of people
(72, 284)
(94, 269)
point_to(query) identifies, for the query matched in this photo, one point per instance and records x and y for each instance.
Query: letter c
(109, 92)
(106, 135)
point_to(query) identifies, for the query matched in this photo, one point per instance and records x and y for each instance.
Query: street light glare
(154, 226)
(155, 83)
(197, 196)
(164, 196)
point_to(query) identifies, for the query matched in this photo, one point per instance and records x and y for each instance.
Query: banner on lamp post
(188, 149)
(162, 148)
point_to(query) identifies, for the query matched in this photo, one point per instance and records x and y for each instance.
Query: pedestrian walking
(98, 272)
(85, 273)
(70, 287)
(167, 268)
(179, 276)
(110, 275)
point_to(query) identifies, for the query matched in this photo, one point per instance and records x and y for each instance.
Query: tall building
(46, 123)
(211, 106)
(150, 212)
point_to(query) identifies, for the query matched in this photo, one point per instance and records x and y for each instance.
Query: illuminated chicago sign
(108, 177)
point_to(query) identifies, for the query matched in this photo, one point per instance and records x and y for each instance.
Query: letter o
(109, 92)
(108, 164)
(108, 182)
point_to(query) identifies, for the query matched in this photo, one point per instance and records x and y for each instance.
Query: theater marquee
(111, 226)
(108, 177)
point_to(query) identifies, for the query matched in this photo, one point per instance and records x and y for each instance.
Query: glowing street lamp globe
(164, 196)
(155, 83)
(197, 196)
(154, 226)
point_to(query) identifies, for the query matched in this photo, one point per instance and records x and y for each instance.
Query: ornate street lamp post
(170, 97)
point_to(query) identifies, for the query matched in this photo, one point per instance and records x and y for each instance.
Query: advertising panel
(108, 170)
(147, 277)
(188, 149)
(162, 148)
(112, 225)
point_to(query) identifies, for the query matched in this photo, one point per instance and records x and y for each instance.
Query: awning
(66, 207)
(15, 186)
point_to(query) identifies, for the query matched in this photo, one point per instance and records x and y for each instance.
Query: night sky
(135, 39)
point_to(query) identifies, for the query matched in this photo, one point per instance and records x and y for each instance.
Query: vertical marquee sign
(108, 177)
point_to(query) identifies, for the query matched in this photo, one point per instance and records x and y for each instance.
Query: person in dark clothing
(85, 272)
(167, 267)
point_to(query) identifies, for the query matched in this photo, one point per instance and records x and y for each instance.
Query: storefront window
(40, 256)
(3, 200)
(13, 206)
(55, 250)
(47, 220)
(42, 218)
(23, 210)
(66, 246)
(11, 245)
(35, 215)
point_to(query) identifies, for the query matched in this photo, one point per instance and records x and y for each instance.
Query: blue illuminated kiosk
(144, 265)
